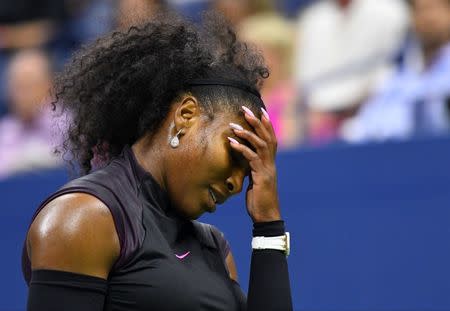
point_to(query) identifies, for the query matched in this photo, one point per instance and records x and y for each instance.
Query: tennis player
(166, 123)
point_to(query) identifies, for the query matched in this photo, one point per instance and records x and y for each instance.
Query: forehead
(222, 120)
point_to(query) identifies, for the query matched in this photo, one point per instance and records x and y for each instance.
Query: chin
(195, 217)
(192, 216)
(190, 213)
(196, 214)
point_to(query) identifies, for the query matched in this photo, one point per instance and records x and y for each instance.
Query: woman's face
(207, 171)
(432, 21)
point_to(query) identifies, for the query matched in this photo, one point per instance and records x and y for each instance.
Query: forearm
(269, 287)
(53, 290)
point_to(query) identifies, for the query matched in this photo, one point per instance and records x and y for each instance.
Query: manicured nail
(235, 126)
(248, 111)
(233, 141)
(265, 113)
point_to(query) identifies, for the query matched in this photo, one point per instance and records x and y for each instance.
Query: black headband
(225, 82)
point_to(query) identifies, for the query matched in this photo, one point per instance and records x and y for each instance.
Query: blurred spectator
(192, 9)
(236, 11)
(274, 35)
(85, 20)
(131, 12)
(28, 23)
(290, 8)
(415, 101)
(26, 133)
(345, 48)
(25, 24)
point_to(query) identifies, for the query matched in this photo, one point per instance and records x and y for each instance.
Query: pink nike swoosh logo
(182, 256)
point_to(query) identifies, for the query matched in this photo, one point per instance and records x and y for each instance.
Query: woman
(172, 115)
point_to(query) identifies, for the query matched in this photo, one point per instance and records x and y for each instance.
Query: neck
(431, 47)
(149, 153)
(429, 54)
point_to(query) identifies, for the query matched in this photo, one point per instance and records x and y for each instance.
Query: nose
(235, 182)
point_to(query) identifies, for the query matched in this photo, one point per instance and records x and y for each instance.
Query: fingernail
(265, 113)
(236, 127)
(248, 111)
(233, 141)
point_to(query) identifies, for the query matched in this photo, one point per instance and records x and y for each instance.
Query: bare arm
(74, 233)
(72, 245)
(229, 260)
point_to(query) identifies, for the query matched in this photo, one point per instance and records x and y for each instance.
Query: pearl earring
(175, 141)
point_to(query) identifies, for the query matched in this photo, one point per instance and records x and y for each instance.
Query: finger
(265, 120)
(258, 144)
(252, 157)
(257, 125)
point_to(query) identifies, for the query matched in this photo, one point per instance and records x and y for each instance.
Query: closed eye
(240, 161)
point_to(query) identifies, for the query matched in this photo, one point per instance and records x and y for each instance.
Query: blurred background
(359, 95)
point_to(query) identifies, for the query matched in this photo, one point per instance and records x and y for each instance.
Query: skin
(131, 11)
(30, 71)
(25, 35)
(431, 19)
(76, 232)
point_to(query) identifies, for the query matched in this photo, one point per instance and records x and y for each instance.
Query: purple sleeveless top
(148, 271)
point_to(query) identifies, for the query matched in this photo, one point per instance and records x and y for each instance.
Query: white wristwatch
(282, 243)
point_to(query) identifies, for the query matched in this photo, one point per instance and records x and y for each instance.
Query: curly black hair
(122, 86)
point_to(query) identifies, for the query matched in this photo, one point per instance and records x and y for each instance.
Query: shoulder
(76, 233)
(222, 242)
(110, 183)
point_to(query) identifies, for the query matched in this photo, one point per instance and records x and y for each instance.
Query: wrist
(271, 235)
(266, 217)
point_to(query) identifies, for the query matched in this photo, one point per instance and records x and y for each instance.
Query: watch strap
(281, 243)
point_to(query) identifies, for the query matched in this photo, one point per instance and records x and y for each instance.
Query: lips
(213, 196)
(217, 196)
(213, 200)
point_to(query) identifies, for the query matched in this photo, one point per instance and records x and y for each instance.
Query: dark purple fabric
(166, 262)
(117, 186)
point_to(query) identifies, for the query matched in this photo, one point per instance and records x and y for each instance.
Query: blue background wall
(370, 227)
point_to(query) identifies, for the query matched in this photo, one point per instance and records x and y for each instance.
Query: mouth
(212, 195)
(217, 196)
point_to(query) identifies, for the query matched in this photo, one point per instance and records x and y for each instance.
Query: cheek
(219, 161)
(210, 156)
(190, 178)
(203, 162)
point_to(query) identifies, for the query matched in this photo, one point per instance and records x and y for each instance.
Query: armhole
(210, 236)
(213, 237)
(224, 248)
(117, 219)
(221, 242)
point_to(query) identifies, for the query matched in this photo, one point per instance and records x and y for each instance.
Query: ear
(187, 113)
